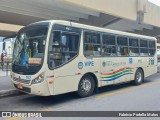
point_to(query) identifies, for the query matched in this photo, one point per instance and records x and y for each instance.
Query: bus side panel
(139, 62)
(148, 65)
(66, 78)
(115, 70)
(50, 79)
(151, 68)
(91, 65)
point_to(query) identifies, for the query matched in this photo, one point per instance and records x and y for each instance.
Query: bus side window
(152, 48)
(56, 37)
(64, 47)
(133, 47)
(122, 48)
(143, 48)
(108, 45)
(55, 56)
(92, 44)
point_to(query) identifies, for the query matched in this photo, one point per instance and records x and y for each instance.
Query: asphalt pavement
(5, 82)
(6, 86)
(124, 97)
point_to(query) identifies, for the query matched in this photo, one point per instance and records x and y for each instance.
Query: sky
(157, 2)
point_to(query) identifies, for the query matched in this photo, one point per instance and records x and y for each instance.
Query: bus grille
(21, 80)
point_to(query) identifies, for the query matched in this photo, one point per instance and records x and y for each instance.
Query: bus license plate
(19, 86)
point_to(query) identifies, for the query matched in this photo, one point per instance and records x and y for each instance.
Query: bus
(55, 57)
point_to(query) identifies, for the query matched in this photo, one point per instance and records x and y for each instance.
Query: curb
(7, 93)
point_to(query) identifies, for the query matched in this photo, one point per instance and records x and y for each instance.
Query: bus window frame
(116, 45)
(122, 45)
(134, 46)
(52, 30)
(155, 48)
(143, 47)
(92, 31)
(111, 34)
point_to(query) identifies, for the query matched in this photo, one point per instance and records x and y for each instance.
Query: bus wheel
(139, 77)
(86, 86)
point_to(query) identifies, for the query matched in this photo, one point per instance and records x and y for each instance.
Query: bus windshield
(28, 53)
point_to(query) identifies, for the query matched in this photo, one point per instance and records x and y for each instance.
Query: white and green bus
(56, 57)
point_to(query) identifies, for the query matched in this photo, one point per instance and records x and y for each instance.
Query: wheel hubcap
(86, 85)
(139, 77)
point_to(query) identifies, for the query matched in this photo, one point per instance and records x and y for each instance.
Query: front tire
(139, 77)
(86, 86)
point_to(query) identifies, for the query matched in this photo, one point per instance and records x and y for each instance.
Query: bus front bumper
(40, 89)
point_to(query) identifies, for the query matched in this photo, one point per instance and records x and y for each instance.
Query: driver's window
(55, 54)
(63, 47)
(64, 40)
(56, 39)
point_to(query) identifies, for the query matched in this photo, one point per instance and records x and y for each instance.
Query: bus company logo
(80, 65)
(130, 60)
(89, 63)
(85, 64)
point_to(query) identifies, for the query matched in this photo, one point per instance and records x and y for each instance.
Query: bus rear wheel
(86, 86)
(139, 77)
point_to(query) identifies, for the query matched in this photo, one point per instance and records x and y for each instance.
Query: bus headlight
(39, 79)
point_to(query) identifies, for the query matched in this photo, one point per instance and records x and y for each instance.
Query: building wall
(128, 9)
(152, 16)
(120, 8)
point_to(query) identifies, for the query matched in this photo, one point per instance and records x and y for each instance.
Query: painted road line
(126, 90)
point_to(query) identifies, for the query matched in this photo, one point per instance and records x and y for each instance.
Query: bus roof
(99, 29)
